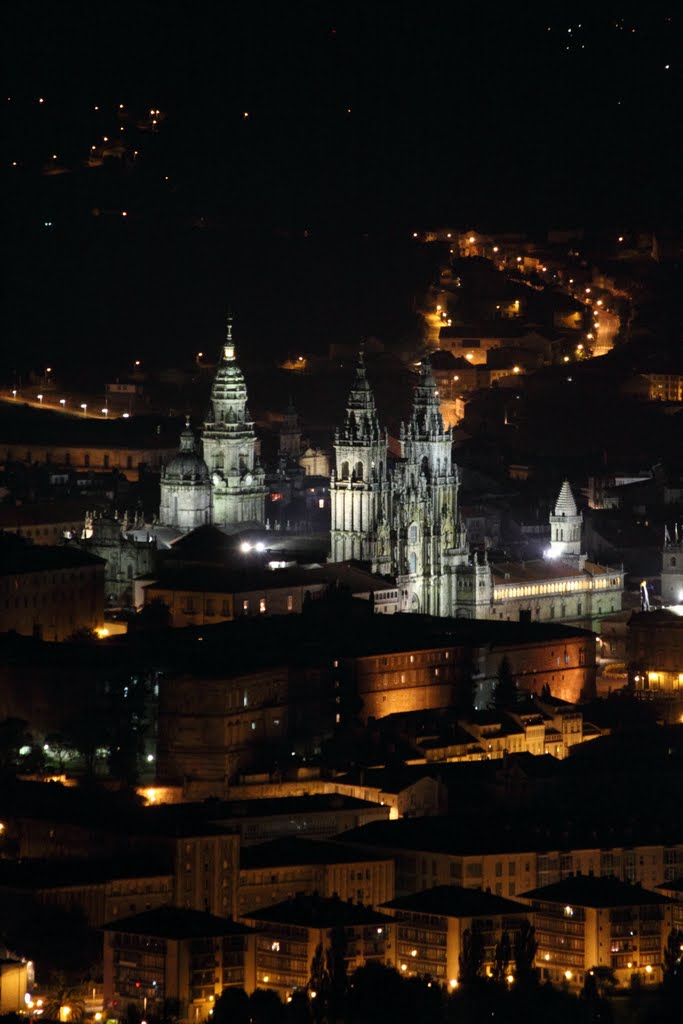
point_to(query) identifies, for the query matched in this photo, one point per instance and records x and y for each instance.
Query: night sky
(364, 119)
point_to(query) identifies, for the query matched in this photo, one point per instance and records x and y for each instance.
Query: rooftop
(456, 901)
(177, 923)
(18, 557)
(292, 850)
(314, 911)
(595, 891)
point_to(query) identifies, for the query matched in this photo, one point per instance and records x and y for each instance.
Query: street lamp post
(40, 398)
(84, 407)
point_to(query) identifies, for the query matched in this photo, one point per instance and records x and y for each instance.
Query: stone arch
(344, 471)
(359, 471)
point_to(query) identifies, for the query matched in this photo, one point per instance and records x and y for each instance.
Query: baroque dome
(187, 465)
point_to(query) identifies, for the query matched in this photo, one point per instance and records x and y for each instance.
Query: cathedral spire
(229, 347)
(361, 423)
(426, 417)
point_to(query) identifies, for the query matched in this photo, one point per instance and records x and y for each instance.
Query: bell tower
(229, 442)
(566, 524)
(358, 482)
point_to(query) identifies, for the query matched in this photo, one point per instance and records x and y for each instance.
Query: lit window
(290, 603)
(321, 503)
(262, 604)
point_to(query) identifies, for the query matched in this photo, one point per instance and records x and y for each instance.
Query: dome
(187, 465)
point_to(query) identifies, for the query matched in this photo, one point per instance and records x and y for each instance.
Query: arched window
(358, 470)
(412, 534)
(218, 461)
(412, 562)
(345, 471)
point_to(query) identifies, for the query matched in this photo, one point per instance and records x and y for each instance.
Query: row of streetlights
(62, 402)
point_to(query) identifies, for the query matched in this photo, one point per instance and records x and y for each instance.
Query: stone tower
(229, 442)
(403, 519)
(565, 527)
(425, 498)
(290, 434)
(185, 487)
(672, 568)
(358, 483)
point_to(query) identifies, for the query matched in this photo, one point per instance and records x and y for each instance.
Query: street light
(105, 412)
(84, 407)
(62, 402)
(14, 394)
(40, 398)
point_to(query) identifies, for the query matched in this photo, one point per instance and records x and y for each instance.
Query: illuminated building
(672, 570)
(275, 871)
(584, 922)
(431, 928)
(175, 954)
(49, 592)
(225, 486)
(403, 520)
(288, 934)
(655, 654)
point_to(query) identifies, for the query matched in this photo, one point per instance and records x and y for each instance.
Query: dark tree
(471, 957)
(377, 995)
(13, 736)
(231, 1007)
(505, 693)
(524, 951)
(319, 982)
(265, 1007)
(502, 957)
(154, 616)
(335, 996)
(87, 731)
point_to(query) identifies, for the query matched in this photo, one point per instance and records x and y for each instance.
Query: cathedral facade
(217, 479)
(404, 520)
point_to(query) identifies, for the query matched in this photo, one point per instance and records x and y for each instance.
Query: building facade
(225, 485)
(403, 517)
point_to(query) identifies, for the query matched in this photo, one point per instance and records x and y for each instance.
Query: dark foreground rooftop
(177, 923)
(456, 901)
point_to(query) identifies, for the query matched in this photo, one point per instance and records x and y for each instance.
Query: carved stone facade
(225, 487)
(403, 519)
(125, 556)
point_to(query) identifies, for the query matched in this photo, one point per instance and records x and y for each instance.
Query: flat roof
(457, 901)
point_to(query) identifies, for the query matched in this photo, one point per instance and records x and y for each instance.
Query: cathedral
(404, 520)
(218, 480)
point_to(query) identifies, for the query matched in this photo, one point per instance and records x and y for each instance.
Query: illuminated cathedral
(218, 479)
(402, 517)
